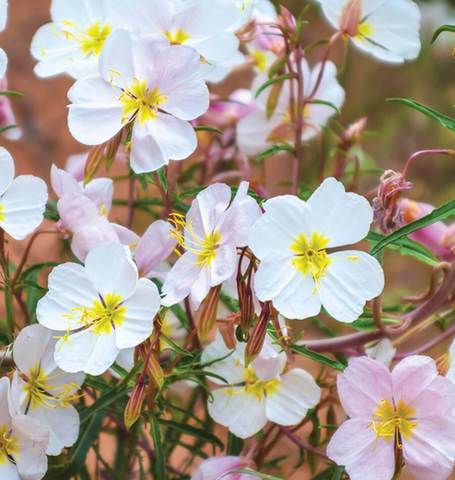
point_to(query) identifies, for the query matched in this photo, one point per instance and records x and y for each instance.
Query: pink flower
(217, 468)
(405, 413)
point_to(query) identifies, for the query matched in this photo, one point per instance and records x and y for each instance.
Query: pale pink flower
(407, 411)
(216, 468)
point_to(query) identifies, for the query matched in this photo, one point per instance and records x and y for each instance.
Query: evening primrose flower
(149, 86)
(405, 413)
(22, 199)
(103, 307)
(204, 25)
(256, 132)
(225, 468)
(23, 442)
(213, 229)
(388, 30)
(259, 393)
(298, 272)
(73, 41)
(42, 391)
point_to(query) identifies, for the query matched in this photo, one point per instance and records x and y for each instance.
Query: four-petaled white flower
(42, 391)
(145, 83)
(214, 228)
(298, 272)
(205, 25)
(387, 29)
(74, 40)
(258, 393)
(23, 441)
(22, 199)
(103, 308)
(257, 131)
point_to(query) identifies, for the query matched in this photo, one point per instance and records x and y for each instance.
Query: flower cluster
(190, 319)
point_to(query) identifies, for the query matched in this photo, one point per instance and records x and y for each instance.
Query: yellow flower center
(41, 393)
(105, 314)
(260, 60)
(9, 445)
(310, 255)
(394, 422)
(208, 248)
(140, 102)
(364, 30)
(2, 213)
(91, 41)
(177, 37)
(259, 388)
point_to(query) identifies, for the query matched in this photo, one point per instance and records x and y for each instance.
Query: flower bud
(350, 18)
(152, 365)
(286, 20)
(353, 134)
(134, 406)
(257, 338)
(206, 315)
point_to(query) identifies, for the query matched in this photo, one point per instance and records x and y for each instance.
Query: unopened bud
(443, 364)
(134, 406)
(257, 338)
(350, 18)
(152, 365)
(353, 134)
(227, 330)
(286, 20)
(206, 315)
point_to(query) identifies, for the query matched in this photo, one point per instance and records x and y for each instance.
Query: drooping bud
(353, 134)
(351, 17)
(227, 330)
(443, 363)
(286, 20)
(206, 315)
(257, 338)
(133, 408)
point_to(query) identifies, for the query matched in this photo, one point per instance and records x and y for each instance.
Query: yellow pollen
(260, 60)
(364, 30)
(103, 315)
(392, 422)
(9, 445)
(177, 37)
(259, 388)
(2, 213)
(91, 41)
(208, 248)
(41, 393)
(311, 257)
(140, 102)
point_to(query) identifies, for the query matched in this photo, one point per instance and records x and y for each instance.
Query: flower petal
(7, 168)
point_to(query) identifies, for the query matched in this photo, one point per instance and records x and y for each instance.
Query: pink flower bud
(351, 17)
(219, 467)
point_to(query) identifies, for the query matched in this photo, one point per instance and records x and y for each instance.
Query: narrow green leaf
(162, 177)
(206, 128)
(444, 120)
(327, 104)
(193, 432)
(317, 357)
(279, 147)
(159, 462)
(442, 29)
(272, 81)
(235, 445)
(445, 211)
(11, 93)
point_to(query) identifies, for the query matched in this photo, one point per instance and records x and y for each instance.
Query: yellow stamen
(2, 213)
(140, 102)
(364, 30)
(260, 60)
(177, 37)
(259, 388)
(311, 257)
(394, 422)
(91, 41)
(9, 446)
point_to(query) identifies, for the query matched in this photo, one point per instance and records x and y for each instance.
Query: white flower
(254, 9)
(22, 199)
(42, 391)
(451, 356)
(256, 132)
(383, 351)
(3, 20)
(23, 442)
(213, 230)
(299, 272)
(387, 29)
(154, 87)
(103, 307)
(204, 25)
(259, 393)
(74, 40)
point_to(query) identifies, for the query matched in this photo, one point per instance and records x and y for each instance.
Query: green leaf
(317, 357)
(442, 29)
(11, 93)
(8, 127)
(235, 445)
(279, 147)
(444, 120)
(445, 211)
(206, 128)
(159, 462)
(162, 177)
(272, 81)
(326, 103)
(407, 247)
(193, 432)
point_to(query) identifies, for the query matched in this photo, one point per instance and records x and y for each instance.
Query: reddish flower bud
(134, 406)
(206, 315)
(350, 17)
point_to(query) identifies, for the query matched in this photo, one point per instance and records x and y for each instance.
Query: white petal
(95, 114)
(3, 14)
(24, 203)
(86, 352)
(111, 270)
(295, 395)
(352, 278)
(146, 152)
(100, 191)
(3, 63)
(5, 418)
(30, 346)
(8, 471)
(242, 413)
(7, 169)
(344, 218)
(141, 307)
(180, 279)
